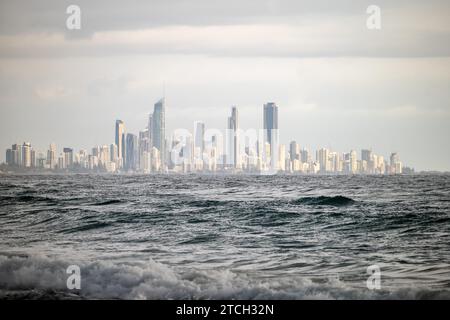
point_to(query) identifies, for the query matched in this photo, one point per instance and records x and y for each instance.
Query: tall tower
(132, 152)
(68, 157)
(294, 151)
(271, 131)
(323, 157)
(26, 154)
(51, 156)
(159, 129)
(233, 151)
(150, 129)
(199, 134)
(120, 133)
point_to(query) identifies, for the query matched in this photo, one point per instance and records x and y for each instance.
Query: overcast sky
(338, 84)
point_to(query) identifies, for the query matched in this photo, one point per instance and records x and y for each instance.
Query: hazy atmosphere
(338, 84)
(235, 152)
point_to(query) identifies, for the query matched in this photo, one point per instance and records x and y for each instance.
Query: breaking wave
(39, 277)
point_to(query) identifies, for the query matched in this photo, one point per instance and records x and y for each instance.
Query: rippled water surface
(197, 237)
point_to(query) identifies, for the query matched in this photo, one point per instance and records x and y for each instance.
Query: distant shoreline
(5, 170)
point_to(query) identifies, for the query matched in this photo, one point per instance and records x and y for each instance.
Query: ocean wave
(107, 202)
(326, 201)
(85, 227)
(41, 277)
(204, 203)
(26, 198)
(201, 239)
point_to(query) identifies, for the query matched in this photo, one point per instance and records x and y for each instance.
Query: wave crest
(326, 201)
(45, 278)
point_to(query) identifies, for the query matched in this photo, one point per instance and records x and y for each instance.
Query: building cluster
(206, 150)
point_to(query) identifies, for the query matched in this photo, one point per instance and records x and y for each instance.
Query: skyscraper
(394, 159)
(15, 154)
(367, 161)
(51, 156)
(144, 151)
(131, 152)
(323, 158)
(271, 131)
(199, 142)
(366, 155)
(353, 162)
(9, 157)
(294, 151)
(233, 139)
(281, 157)
(395, 164)
(113, 153)
(68, 157)
(159, 129)
(120, 133)
(150, 129)
(26, 154)
(304, 156)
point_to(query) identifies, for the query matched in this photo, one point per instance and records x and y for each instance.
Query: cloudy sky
(338, 84)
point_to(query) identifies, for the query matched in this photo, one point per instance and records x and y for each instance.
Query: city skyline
(237, 150)
(340, 84)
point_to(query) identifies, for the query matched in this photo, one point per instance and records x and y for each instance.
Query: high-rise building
(68, 157)
(120, 135)
(51, 156)
(282, 157)
(40, 160)
(61, 163)
(131, 152)
(19, 156)
(353, 161)
(155, 159)
(9, 157)
(188, 152)
(104, 157)
(26, 154)
(304, 156)
(15, 154)
(123, 159)
(96, 151)
(366, 155)
(150, 128)
(144, 148)
(113, 153)
(271, 131)
(82, 158)
(145, 162)
(335, 162)
(323, 158)
(393, 159)
(367, 158)
(395, 165)
(159, 129)
(33, 158)
(294, 151)
(199, 142)
(233, 156)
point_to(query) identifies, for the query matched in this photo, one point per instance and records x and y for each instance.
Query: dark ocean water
(200, 237)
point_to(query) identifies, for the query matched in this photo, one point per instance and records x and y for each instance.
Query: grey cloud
(317, 39)
(314, 28)
(21, 16)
